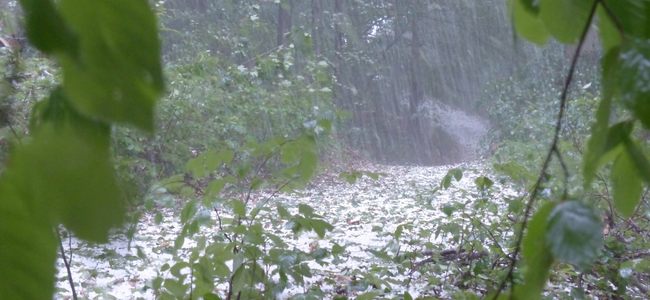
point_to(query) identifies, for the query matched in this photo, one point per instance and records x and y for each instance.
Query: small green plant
(245, 253)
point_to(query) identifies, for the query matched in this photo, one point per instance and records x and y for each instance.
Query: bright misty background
(405, 82)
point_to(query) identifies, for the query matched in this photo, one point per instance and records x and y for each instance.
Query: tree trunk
(416, 92)
(316, 25)
(284, 22)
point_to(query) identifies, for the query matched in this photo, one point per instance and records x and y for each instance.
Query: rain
(343, 149)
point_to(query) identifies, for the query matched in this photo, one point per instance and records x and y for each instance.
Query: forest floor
(365, 216)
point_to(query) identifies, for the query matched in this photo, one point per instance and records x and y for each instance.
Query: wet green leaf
(28, 251)
(610, 36)
(457, 173)
(320, 227)
(574, 233)
(70, 173)
(305, 209)
(368, 296)
(641, 164)
(627, 185)
(283, 212)
(634, 79)
(483, 183)
(158, 218)
(537, 255)
(632, 15)
(47, 30)
(175, 287)
(211, 296)
(527, 23)
(446, 181)
(604, 149)
(565, 19)
(398, 232)
(238, 207)
(189, 210)
(448, 209)
(115, 79)
(598, 140)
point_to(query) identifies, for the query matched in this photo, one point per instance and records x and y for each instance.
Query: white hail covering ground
(112, 271)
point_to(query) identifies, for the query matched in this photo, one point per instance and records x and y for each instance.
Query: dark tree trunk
(284, 22)
(316, 25)
(416, 91)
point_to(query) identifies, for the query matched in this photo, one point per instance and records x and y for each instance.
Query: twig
(220, 227)
(549, 156)
(67, 266)
(615, 19)
(268, 199)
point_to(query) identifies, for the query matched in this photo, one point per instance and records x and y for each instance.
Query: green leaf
(610, 36)
(574, 233)
(483, 183)
(117, 75)
(457, 173)
(634, 79)
(215, 187)
(214, 160)
(176, 269)
(633, 16)
(398, 232)
(179, 241)
(323, 125)
(338, 249)
(368, 296)
(278, 241)
(380, 255)
(642, 266)
(196, 167)
(627, 185)
(164, 267)
(605, 149)
(69, 172)
(641, 164)
(407, 296)
(287, 259)
(320, 227)
(283, 212)
(537, 255)
(188, 211)
(158, 218)
(307, 165)
(305, 209)
(565, 19)
(446, 181)
(238, 207)
(28, 248)
(175, 287)
(211, 296)
(597, 142)
(527, 23)
(141, 254)
(46, 28)
(448, 209)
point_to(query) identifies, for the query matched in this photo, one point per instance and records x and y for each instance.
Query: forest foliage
(76, 159)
